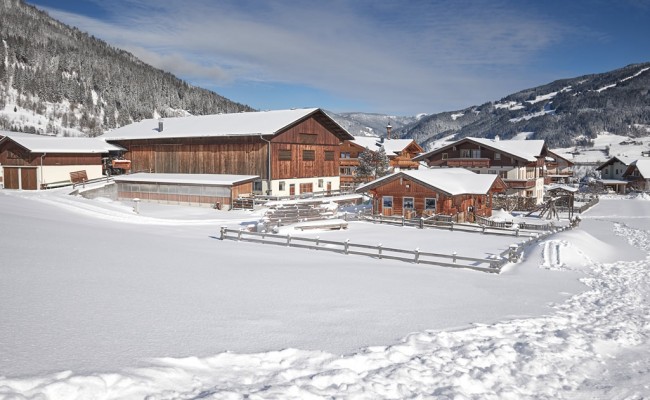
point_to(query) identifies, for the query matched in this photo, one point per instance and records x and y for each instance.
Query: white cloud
(418, 56)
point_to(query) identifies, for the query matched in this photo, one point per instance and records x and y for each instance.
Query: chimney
(160, 125)
(496, 138)
(388, 128)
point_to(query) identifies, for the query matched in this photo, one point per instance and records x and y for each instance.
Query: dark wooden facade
(306, 149)
(349, 161)
(410, 198)
(12, 154)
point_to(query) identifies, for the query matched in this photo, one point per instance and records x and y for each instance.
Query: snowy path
(593, 345)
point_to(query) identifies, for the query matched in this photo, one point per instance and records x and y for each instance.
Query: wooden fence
(523, 230)
(378, 251)
(417, 256)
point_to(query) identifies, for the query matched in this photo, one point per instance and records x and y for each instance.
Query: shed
(32, 162)
(214, 190)
(448, 191)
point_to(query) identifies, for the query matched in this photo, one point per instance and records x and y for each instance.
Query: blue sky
(390, 57)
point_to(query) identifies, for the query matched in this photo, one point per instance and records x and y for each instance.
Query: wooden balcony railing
(468, 162)
(520, 183)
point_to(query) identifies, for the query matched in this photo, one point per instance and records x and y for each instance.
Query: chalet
(520, 163)
(558, 168)
(400, 153)
(218, 191)
(292, 151)
(612, 171)
(32, 162)
(638, 174)
(427, 191)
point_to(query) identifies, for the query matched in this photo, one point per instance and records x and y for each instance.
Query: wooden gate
(20, 178)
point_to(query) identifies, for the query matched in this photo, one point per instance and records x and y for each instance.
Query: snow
(126, 306)
(49, 144)
(533, 115)
(619, 146)
(622, 80)
(454, 181)
(194, 179)
(643, 166)
(391, 146)
(234, 124)
(522, 136)
(456, 116)
(526, 149)
(511, 105)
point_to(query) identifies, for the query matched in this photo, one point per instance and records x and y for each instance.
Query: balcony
(468, 162)
(348, 162)
(520, 183)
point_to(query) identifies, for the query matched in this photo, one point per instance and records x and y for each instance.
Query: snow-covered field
(98, 302)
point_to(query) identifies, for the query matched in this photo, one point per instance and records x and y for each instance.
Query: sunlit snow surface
(100, 294)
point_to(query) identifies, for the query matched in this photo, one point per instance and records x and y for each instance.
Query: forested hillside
(565, 112)
(57, 79)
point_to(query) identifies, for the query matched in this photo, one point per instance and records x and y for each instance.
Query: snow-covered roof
(528, 150)
(235, 124)
(643, 166)
(51, 144)
(190, 179)
(625, 160)
(454, 181)
(391, 146)
(566, 188)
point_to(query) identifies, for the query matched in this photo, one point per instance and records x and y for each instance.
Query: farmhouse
(520, 163)
(400, 153)
(32, 162)
(448, 191)
(615, 167)
(292, 151)
(638, 174)
(558, 168)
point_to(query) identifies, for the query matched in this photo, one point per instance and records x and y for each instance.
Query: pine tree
(372, 165)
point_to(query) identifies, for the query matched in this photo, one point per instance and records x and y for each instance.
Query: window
(492, 172)
(503, 174)
(308, 138)
(476, 153)
(346, 171)
(320, 183)
(497, 156)
(284, 155)
(281, 186)
(345, 155)
(445, 156)
(308, 155)
(329, 155)
(464, 153)
(306, 188)
(409, 203)
(387, 201)
(430, 204)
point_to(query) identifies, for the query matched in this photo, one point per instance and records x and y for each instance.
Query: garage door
(20, 178)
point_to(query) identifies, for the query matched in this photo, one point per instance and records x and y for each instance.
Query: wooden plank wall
(307, 135)
(12, 154)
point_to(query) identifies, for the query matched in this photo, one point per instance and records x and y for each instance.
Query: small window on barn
(445, 156)
(257, 186)
(309, 155)
(345, 155)
(329, 155)
(430, 204)
(387, 201)
(284, 155)
(281, 186)
(346, 171)
(497, 156)
(320, 183)
(308, 138)
(409, 203)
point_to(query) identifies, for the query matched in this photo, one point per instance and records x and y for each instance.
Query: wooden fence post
(421, 222)
(451, 226)
(317, 241)
(288, 240)
(223, 232)
(417, 255)
(347, 246)
(379, 248)
(512, 254)
(453, 257)
(239, 234)
(517, 232)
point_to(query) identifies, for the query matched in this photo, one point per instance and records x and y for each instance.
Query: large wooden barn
(292, 151)
(32, 162)
(448, 191)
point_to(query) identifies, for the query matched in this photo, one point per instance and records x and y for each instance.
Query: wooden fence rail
(492, 264)
(523, 230)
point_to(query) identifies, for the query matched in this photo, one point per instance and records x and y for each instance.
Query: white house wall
(275, 185)
(60, 173)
